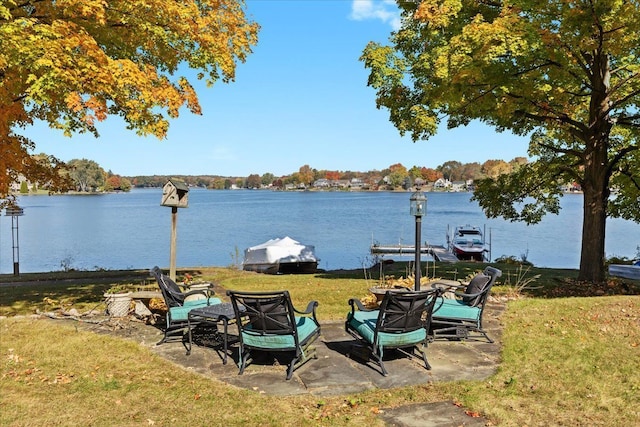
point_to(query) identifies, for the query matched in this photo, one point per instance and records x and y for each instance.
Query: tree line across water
(89, 176)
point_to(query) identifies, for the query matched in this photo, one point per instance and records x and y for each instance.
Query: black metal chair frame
(174, 297)
(465, 328)
(400, 312)
(271, 314)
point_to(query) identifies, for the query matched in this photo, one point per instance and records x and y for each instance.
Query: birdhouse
(175, 194)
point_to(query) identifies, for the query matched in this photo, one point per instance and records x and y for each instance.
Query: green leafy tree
(415, 172)
(267, 178)
(565, 73)
(86, 174)
(125, 184)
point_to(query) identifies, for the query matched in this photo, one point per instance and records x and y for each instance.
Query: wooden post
(418, 252)
(172, 259)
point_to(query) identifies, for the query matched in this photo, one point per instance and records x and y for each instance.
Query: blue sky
(300, 99)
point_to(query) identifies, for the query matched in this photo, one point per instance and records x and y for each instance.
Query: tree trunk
(595, 187)
(593, 237)
(595, 183)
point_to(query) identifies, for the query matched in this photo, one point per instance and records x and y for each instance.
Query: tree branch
(568, 151)
(624, 99)
(619, 156)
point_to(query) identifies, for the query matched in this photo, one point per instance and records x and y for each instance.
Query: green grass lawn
(570, 356)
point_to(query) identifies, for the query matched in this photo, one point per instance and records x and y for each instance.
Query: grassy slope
(566, 361)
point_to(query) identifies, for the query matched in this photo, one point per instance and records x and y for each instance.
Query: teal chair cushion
(180, 313)
(365, 323)
(305, 325)
(456, 309)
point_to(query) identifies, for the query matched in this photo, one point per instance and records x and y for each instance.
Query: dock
(438, 252)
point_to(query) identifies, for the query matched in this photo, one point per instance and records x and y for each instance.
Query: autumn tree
(305, 175)
(471, 171)
(451, 170)
(112, 183)
(73, 63)
(332, 175)
(430, 175)
(116, 182)
(254, 181)
(495, 168)
(564, 73)
(398, 174)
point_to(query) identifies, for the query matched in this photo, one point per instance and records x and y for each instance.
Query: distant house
(322, 183)
(15, 186)
(441, 184)
(356, 183)
(340, 183)
(458, 186)
(571, 187)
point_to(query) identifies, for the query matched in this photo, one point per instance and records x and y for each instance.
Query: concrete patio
(337, 372)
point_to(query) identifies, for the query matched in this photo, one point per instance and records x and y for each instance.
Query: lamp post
(14, 212)
(418, 208)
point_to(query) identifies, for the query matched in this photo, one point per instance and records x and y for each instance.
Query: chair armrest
(447, 285)
(353, 302)
(311, 308)
(208, 294)
(464, 295)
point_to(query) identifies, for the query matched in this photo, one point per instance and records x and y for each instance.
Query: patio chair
(178, 306)
(461, 317)
(267, 321)
(401, 322)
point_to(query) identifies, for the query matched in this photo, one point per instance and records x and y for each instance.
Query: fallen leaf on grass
(473, 414)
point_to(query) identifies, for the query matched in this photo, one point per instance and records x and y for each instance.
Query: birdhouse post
(175, 194)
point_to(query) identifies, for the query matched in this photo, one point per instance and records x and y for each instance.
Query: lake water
(132, 230)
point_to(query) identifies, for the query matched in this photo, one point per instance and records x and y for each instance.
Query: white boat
(280, 256)
(467, 243)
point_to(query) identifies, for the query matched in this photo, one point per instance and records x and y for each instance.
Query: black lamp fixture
(14, 211)
(418, 208)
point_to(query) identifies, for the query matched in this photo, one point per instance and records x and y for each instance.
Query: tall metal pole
(15, 244)
(418, 251)
(14, 212)
(174, 233)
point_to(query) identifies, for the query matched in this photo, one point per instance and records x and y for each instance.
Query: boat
(627, 271)
(467, 243)
(281, 256)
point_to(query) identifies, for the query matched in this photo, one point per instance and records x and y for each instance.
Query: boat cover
(279, 251)
(626, 271)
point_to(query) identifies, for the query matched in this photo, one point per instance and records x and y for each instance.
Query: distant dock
(439, 253)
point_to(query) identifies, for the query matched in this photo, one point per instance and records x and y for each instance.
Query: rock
(141, 309)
